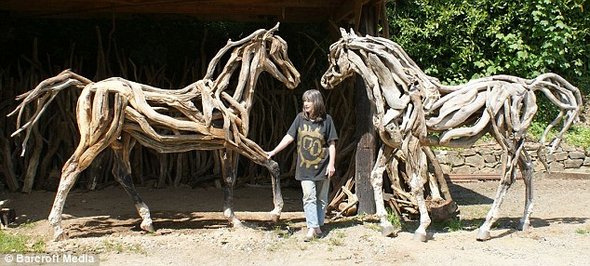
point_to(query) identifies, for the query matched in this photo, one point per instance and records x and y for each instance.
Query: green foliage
(458, 40)
(10, 243)
(337, 239)
(583, 231)
(578, 136)
(454, 225)
(283, 233)
(394, 219)
(119, 247)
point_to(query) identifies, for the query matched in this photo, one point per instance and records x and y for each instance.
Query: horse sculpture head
(277, 62)
(384, 66)
(340, 67)
(261, 51)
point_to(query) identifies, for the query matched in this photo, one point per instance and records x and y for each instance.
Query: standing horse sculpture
(410, 104)
(201, 116)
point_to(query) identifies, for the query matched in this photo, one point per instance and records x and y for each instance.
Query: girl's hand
(269, 154)
(330, 171)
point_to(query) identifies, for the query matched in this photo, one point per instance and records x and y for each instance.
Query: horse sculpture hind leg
(513, 156)
(95, 136)
(229, 162)
(69, 175)
(526, 167)
(122, 173)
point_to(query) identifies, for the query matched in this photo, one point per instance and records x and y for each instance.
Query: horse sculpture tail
(567, 98)
(44, 94)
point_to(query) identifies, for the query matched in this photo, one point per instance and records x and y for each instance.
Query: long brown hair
(318, 110)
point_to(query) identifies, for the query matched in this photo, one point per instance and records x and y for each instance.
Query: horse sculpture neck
(259, 52)
(386, 69)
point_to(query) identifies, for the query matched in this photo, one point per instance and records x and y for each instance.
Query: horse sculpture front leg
(122, 173)
(229, 159)
(513, 157)
(384, 156)
(416, 167)
(278, 203)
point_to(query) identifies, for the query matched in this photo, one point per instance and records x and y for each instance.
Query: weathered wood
(8, 166)
(33, 162)
(365, 150)
(114, 113)
(502, 106)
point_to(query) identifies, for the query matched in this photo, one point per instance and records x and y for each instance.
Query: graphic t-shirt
(313, 139)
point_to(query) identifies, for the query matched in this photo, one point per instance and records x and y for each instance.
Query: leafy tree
(457, 40)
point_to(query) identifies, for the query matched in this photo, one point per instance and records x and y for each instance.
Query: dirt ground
(191, 229)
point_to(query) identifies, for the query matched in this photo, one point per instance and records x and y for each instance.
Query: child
(316, 152)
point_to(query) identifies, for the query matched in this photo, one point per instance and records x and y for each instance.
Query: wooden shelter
(338, 12)
(365, 16)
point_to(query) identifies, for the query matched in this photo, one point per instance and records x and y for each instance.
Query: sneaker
(311, 234)
(318, 231)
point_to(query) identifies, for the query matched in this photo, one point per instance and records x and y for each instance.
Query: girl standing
(316, 153)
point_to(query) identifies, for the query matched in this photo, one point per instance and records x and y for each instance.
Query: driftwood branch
(410, 104)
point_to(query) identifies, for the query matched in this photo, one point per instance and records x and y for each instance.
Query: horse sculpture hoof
(60, 236)
(388, 230)
(483, 235)
(275, 217)
(147, 226)
(235, 223)
(420, 237)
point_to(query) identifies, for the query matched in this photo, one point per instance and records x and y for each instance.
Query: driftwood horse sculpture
(408, 105)
(116, 113)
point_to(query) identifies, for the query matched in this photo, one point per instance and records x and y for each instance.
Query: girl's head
(313, 105)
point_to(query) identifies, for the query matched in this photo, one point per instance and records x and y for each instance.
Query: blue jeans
(315, 200)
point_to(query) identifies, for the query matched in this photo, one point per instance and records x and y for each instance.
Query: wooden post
(365, 151)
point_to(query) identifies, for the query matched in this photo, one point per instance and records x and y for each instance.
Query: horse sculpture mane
(201, 116)
(409, 105)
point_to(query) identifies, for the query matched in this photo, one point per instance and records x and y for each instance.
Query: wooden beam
(365, 153)
(282, 10)
(344, 11)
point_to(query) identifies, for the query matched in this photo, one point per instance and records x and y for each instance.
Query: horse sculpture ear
(352, 34)
(271, 32)
(343, 33)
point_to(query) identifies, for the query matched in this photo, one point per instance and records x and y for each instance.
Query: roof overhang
(297, 11)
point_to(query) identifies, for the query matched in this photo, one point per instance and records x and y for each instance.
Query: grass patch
(373, 226)
(10, 243)
(583, 231)
(454, 225)
(394, 219)
(27, 225)
(118, 247)
(285, 232)
(337, 239)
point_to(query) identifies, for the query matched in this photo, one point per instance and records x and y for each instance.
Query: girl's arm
(287, 139)
(331, 163)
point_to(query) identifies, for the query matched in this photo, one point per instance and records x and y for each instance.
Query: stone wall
(485, 159)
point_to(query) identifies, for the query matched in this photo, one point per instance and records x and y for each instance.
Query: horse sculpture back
(410, 105)
(117, 112)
